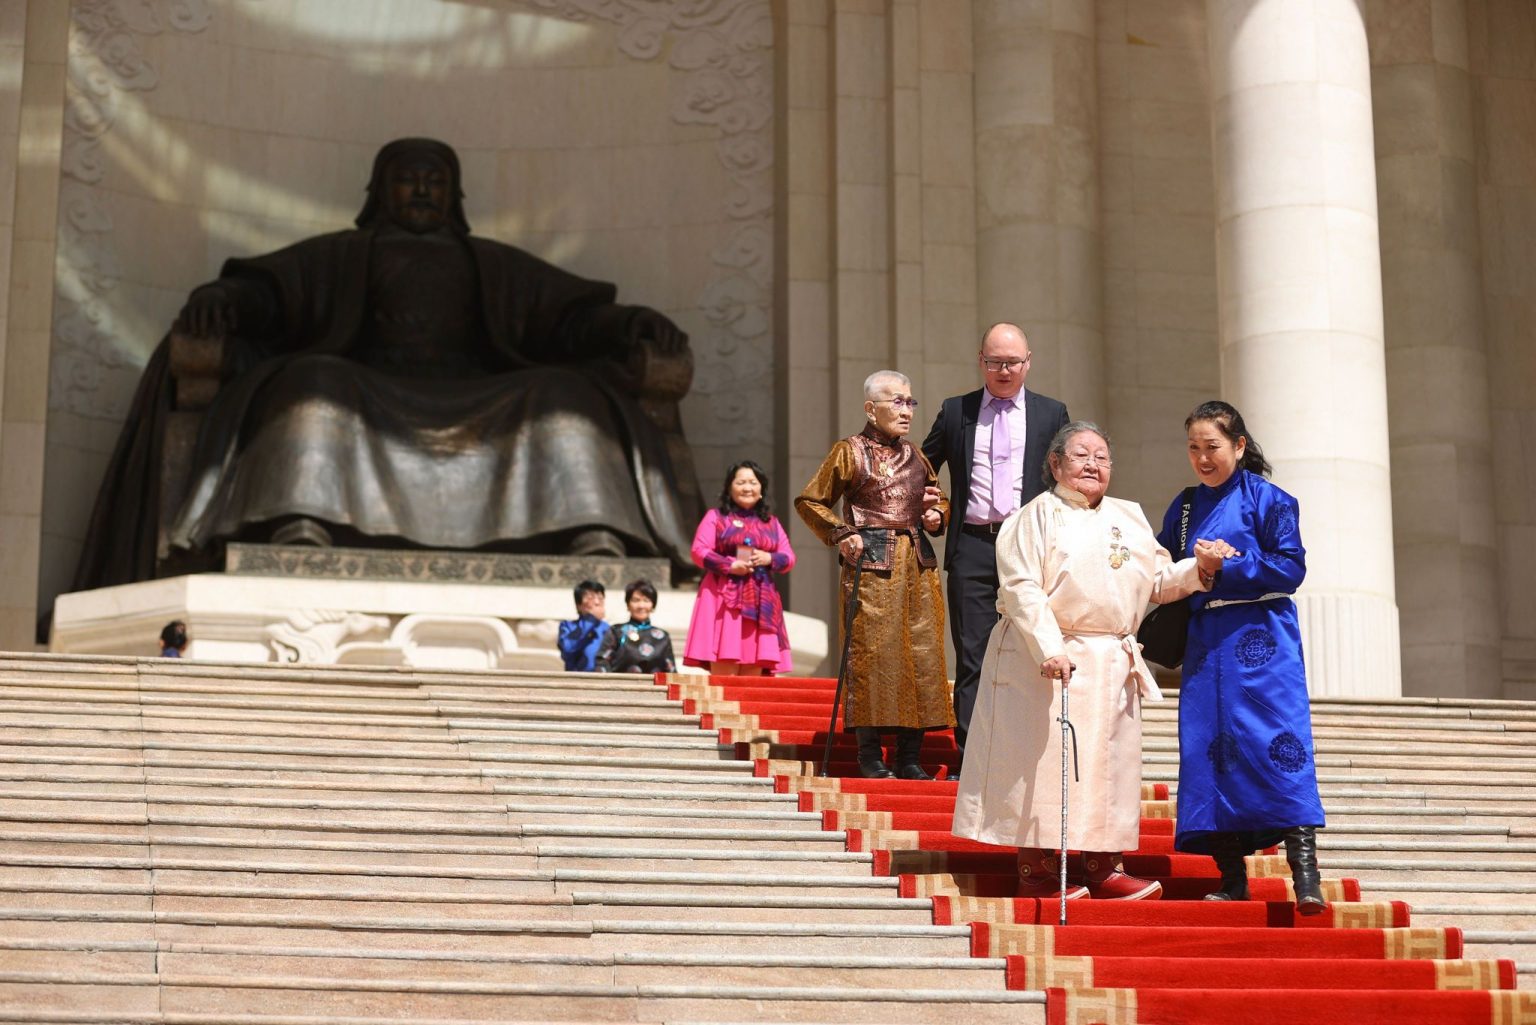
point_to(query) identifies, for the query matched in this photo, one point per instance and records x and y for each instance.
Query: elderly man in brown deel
(406, 382)
(890, 501)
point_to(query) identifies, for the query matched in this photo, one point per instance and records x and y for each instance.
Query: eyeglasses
(1084, 459)
(901, 402)
(997, 366)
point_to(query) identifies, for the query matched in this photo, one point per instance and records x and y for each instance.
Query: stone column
(1038, 245)
(33, 140)
(1437, 355)
(1299, 278)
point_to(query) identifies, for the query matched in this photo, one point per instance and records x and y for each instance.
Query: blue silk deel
(1246, 760)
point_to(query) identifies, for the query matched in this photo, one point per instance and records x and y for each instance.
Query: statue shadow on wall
(401, 384)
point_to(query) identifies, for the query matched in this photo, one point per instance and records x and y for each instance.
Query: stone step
(492, 852)
(722, 776)
(203, 720)
(19, 871)
(805, 835)
(343, 905)
(142, 783)
(469, 1000)
(611, 969)
(604, 935)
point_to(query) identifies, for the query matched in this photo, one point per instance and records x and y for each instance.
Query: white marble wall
(624, 144)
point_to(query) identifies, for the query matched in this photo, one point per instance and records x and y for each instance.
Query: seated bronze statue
(401, 384)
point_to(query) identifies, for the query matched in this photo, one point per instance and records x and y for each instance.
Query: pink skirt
(719, 634)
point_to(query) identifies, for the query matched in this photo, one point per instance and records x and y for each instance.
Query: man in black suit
(998, 435)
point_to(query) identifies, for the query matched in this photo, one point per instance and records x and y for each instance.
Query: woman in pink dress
(738, 620)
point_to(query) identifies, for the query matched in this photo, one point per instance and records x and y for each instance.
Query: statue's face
(418, 192)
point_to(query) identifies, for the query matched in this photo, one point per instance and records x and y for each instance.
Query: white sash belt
(1219, 602)
(1146, 683)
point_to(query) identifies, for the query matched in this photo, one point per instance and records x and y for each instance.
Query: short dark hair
(763, 510)
(1230, 423)
(174, 634)
(641, 587)
(587, 587)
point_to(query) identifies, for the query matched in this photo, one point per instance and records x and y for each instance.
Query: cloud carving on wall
(725, 50)
(105, 63)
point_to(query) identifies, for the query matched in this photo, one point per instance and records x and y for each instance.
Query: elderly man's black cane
(842, 664)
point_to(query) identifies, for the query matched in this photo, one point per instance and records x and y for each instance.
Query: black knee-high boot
(1229, 854)
(908, 744)
(1301, 855)
(871, 758)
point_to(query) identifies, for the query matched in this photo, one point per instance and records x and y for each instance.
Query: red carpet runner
(1177, 961)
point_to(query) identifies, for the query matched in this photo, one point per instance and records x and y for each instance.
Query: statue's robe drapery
(538, 443)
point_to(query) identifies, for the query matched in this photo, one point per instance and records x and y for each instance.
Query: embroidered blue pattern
(1255, 647)
(1288, 752)
(1281, 520)
(1223, 752)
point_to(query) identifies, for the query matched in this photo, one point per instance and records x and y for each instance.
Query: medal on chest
(1119, 555)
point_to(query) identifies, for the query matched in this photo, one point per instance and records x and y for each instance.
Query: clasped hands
(1209, 555)
(758, 559)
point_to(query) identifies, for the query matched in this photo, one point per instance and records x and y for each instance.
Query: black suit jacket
(953, 440)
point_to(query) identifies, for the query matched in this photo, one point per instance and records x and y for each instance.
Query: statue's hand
(210, 312)
(650, 328)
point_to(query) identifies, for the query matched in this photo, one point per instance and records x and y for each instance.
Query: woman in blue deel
(1247, 778)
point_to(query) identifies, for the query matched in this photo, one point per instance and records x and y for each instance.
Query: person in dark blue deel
(637, 646)
(173, 639)
(580, 638)
(1247, 772)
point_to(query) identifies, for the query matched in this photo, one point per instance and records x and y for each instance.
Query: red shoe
(1107, 880)
(1040, 876)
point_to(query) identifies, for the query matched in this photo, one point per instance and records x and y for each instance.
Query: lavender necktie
(1003, 499)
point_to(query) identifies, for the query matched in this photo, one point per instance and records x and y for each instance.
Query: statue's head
(415, 185)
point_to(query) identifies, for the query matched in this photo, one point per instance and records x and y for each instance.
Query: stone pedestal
(451, 610)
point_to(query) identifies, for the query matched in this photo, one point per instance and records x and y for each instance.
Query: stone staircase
(193, 842)
(196, 842)
(1429, 800)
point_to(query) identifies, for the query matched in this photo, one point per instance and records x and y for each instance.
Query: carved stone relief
(105, 63)
(315, 635)
(724, 47)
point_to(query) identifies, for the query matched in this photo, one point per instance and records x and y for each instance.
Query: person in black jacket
(637, 646)
(994, 440)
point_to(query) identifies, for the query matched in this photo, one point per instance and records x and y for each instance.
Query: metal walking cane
(842, 664)
(1066, 729)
